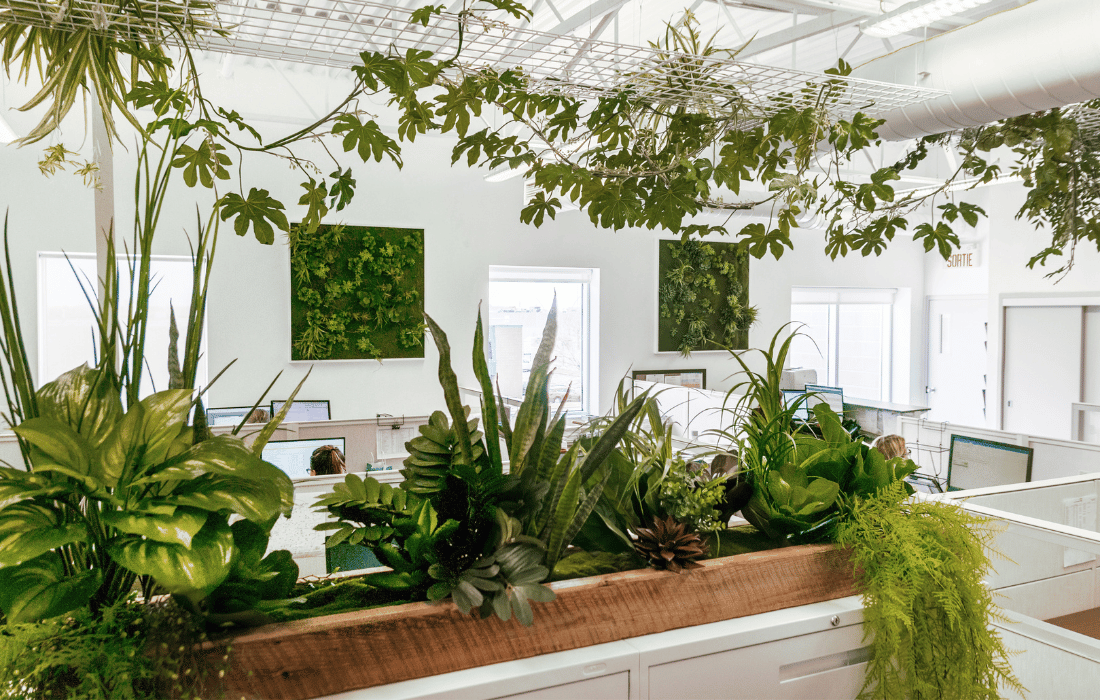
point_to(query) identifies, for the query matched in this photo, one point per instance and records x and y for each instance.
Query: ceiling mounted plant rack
(335, 33)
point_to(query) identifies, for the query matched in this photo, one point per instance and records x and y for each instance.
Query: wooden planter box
(338, 653)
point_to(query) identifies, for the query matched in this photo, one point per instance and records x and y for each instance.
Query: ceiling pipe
(1030, 58)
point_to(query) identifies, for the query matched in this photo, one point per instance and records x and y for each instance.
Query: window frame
(590, 353)
(835, 298)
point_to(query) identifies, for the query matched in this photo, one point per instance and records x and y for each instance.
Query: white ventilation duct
(1043, 55)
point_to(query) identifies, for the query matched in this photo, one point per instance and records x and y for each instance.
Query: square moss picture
(702, 297)
(357, 293)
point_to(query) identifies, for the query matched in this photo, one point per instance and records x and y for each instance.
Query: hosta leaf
(28, 531)
(178, 528)
(193, 572)
(40, 588)
(255, 500)
(55, 443)
(84, 398)
(17, 486)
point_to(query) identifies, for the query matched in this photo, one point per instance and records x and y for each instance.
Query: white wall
(1012, 243)
(469, 224)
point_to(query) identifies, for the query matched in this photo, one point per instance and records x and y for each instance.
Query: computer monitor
(789, 397)
(227, 416)
(974, 463)
(831, 395)
(303, 411)
(292, 456)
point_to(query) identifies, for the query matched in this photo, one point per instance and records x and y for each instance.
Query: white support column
(105, 193)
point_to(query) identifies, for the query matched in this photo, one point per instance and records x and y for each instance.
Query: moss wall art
(357, 292)
(703, 297)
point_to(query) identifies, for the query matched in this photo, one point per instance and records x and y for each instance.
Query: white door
(957, 361)
(1042, 375)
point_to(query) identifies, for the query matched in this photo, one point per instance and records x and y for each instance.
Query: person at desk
(890, 446)
(327, 459)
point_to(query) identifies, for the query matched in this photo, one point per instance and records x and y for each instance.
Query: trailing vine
(358, 292)
(704, 297)
(920, 565)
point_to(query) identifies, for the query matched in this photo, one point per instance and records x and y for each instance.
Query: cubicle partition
(1048, 580)
(930, 443)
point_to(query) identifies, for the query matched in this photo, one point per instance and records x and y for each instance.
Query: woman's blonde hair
(890, 446)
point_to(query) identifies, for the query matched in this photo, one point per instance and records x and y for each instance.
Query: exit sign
(966, 256)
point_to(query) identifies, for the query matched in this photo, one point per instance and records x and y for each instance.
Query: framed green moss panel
(702, 297)
(356, 292)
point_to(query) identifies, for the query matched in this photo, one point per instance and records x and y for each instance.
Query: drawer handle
(810, 667)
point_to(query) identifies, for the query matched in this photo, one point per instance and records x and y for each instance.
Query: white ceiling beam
(567, 26)
(785, 37)
(592, 38)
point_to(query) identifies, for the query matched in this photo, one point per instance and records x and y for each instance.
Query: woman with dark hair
(327, 459)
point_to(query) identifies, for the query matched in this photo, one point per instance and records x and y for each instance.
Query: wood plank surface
(337, 653)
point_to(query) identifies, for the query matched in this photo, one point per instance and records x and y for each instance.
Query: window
(67, 335)
(519, 301)
(846, 337)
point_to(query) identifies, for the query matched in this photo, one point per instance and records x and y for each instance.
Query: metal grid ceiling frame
(334, 33)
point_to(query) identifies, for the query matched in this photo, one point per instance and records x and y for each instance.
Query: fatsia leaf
(366, 139)
(342, 190)
(314, 200)
(40, 588)
(202, 164)
(258, 210)
(192, 572)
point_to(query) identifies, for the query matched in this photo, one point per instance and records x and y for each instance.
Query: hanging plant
(704, 297)
(357, 292)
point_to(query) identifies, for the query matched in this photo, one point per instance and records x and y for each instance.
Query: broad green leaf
(40, 588)
(17, 486)
(123, 448)
(55, 443)
(84, 398)
(258, 210)
(314, 201)
(28, 531)
(164, 417)
(179, 527)
(192, 572)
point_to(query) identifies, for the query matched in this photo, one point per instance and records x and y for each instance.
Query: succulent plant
(671, 545)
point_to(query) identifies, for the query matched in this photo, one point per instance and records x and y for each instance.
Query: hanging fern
(920, 566)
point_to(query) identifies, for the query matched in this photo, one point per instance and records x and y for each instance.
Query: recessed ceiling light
(916, 14)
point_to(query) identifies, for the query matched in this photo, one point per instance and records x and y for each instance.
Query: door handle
(929, 390)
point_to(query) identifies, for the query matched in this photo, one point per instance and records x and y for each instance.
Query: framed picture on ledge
(688, 378)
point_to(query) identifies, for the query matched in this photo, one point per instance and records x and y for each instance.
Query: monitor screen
(302, 411)
(227, 416)
(831, 395)
(974, 463)
(789, 397)
(292, 456)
